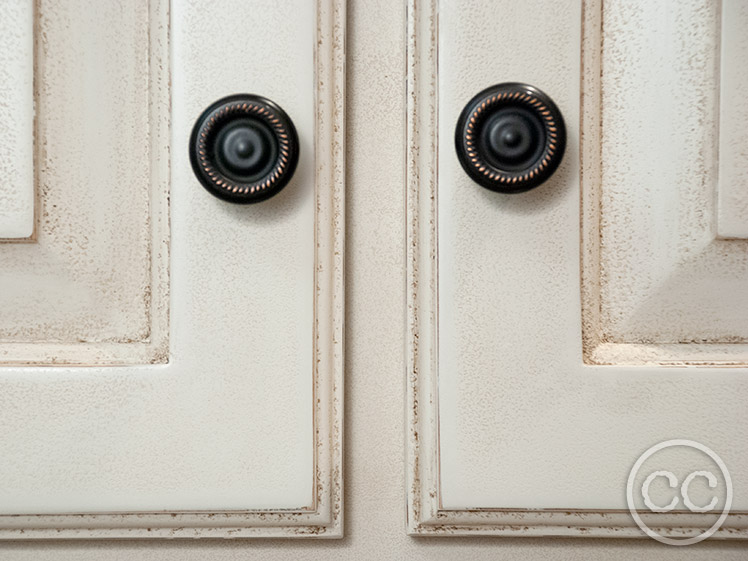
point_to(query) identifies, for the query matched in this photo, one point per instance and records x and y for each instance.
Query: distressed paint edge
(590, 174)
(330, 56)
(424, 515)
(421, 142)
(325, 520)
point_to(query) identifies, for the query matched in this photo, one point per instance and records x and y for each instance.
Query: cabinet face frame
(425, 514)
(322, 518)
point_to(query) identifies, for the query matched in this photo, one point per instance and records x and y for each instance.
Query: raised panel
(732, 199)
(656, 273)
(239, 432)
(512, 430)
(17, 120)
(93, 288)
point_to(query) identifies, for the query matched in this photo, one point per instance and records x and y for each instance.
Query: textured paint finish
(375, 277)
(239, 435)
(16, 119)
(94, 288)
(511, 434)
(668, 290)
(732, 201)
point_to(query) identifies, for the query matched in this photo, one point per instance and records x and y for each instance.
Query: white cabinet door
(557, 334)
(170, 363)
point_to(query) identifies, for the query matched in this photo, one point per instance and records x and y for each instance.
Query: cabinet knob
(244, 148)
(510, 137)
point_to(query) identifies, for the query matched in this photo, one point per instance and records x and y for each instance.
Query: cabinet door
(170, 363)
(557, 334)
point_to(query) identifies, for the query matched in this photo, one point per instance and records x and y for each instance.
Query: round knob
(510, 138)
(244, 148)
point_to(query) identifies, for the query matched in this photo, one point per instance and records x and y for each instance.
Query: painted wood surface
(732, 201)
(93, 288)
(234, 428)
(657, 274)
(17, 120)
(513, 430)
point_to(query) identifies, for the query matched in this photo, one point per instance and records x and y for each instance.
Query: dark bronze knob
(244, 148)
(510, 137)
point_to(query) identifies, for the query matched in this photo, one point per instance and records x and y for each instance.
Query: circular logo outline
(630, 491)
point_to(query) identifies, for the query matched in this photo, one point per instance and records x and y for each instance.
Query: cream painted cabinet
(172, 365)
(558, 334)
